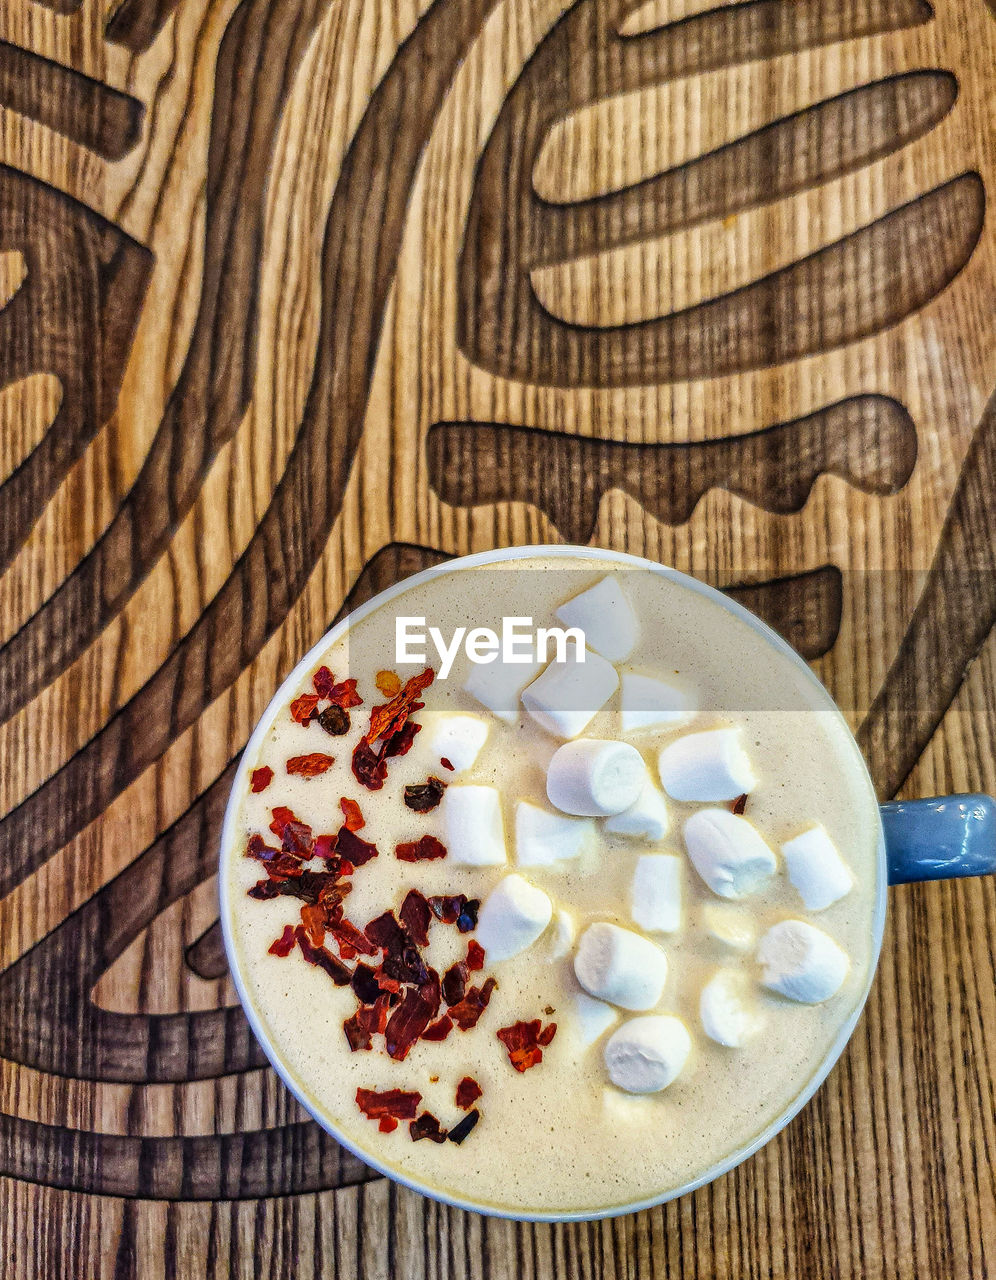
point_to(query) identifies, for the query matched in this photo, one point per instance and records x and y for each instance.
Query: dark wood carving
(869, 440)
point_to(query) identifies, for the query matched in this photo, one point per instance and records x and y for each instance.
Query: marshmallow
(654, 704)
(727, 852)
(562, 931)
(497, 685)
(706, 766)
(592, 1018)
(606, 617)
(620, 966)
(513, 916)
(567, 695)
(595, 778)
(647, 816)
(647, 1054)
(816, 869)
(732, 926)
(724, 1014)
(456, 738)
(655, 895)
(802, 962)
(474, 830)
(543, 838)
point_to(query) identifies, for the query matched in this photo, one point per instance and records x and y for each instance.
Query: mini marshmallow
(655, 894)
(706, 766)
(606, 617)
(647, 1054)
(724, 1014)
(543, 838)
(513, 916)
(594, 778)
(646, 817)
(473, 826)
(456, 738)
(567, 695)
(816, 869)
(732, 926)
(497, 685)
(727, 852)
(620, 966)
(561, 934)
(654, 704)
(802, 962)
(592, 1018)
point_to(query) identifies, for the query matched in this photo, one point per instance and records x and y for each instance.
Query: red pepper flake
(387, 1124)
(313, 919)
(740, 804)
(324, 682)
(454, 984)
(416, 917)
(385, 932)
(439, 1030)
(475, 955)
(324, 847)
(400, 743)
(461, 1130)
(295, 836)
(424, 796)
(453, 910)
(304, 708)
(467, 1093)
(260, 779)
(348, 936)
(364, 1024)
(353, 849)
(427, 1126)
(310, 766)
(395, 1103)
(446, 764)
(388, 682)
(387, 719)
(425, 849)
(369, 768)
(467, 1013)
(525, 1042)
(259, 849)
(352, 813)
(417, 1009)
(344, 695)
(334, 967)
(283, 945)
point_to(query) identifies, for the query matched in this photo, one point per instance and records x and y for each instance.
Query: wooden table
(306, 294)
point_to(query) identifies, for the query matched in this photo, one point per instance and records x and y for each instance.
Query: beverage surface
(684, 889)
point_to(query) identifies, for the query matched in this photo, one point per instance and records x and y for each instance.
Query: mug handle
(939, 838)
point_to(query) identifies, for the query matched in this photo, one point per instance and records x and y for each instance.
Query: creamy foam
(561, 1137)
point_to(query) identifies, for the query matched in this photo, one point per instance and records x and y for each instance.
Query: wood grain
(301, 296)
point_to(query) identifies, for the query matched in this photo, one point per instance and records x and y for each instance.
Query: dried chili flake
(284, 866)
(369, 769)
(353, 814)
(425, 849)
(446, 764)
(264, 890)
(387, 1124)
(283, 945)
(410, 1018)
(406, 965)
(258, 848)
(525, 1042)
(324, 847)
(346, 934)
(334, 720)
(475, 955)
(400, 743)
(388, 682)
(295, 836)
(353, 849)
(467, 1093)
(461, 1130)
(344, 694)
(260, 779)
(324, 681)
(387, 719)
(740, 804)
(467, 919)
(467, 1013)
(448, 909)
(324, 959)
(385, 932)
(439, 1030)
(304, 708)
(310, 766)
(454, 984)
(364, 1024)
(365, 986)
(427, 1126)
(395, 1103)
(313, 919)
(416, 916)
(424, 796)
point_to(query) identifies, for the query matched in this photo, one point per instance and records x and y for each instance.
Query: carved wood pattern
(336, 289)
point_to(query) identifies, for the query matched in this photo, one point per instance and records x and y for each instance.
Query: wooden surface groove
(302, 296)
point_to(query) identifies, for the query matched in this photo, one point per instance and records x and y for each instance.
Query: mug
(928, 839)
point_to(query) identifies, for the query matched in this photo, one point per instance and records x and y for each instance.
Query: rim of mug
(298, 1088)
